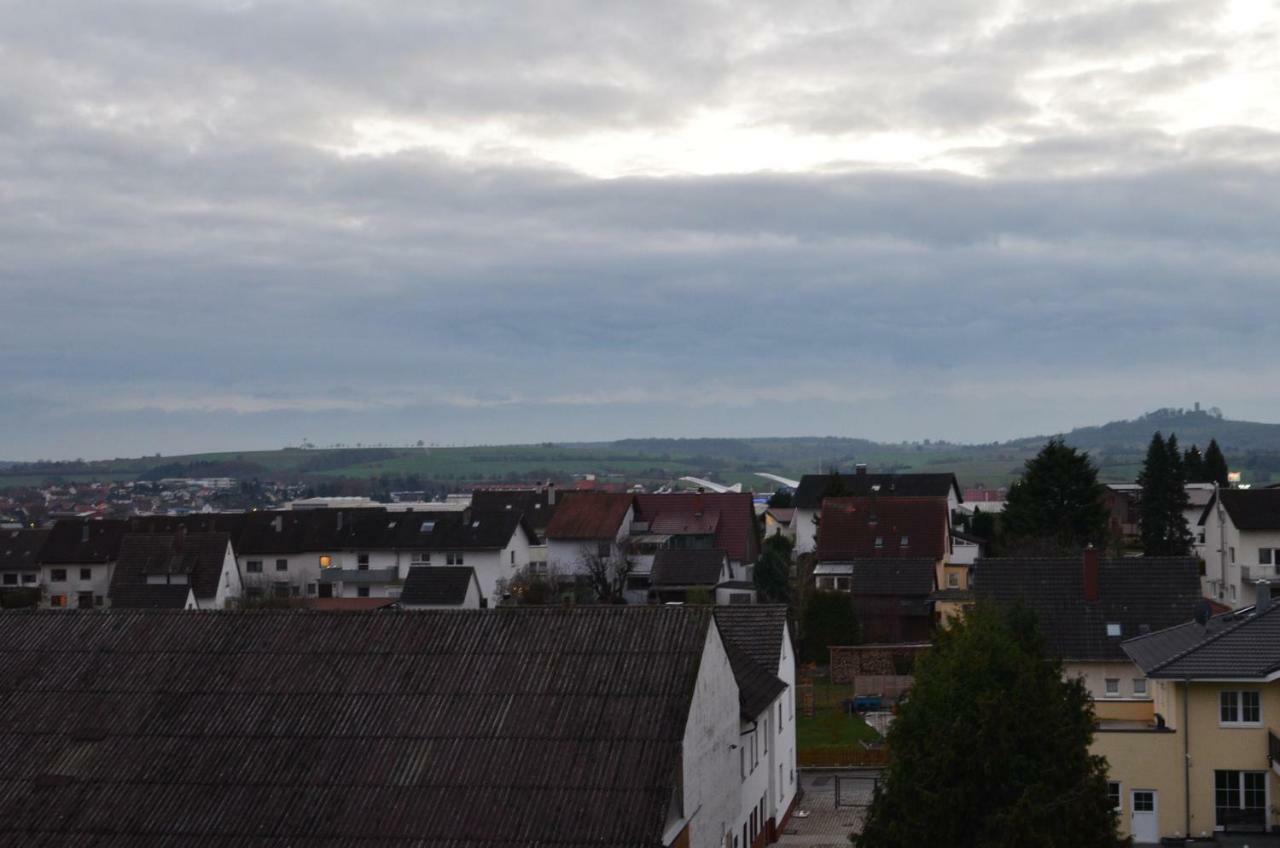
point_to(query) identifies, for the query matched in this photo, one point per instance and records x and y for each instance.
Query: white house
(588, 525)
(76, 562)
(1241, 545)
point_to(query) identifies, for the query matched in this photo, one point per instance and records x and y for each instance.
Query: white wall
(806, 531)
(785, 755)
(710, 764)
(230, 584)
(99, 582)
(1223, 579)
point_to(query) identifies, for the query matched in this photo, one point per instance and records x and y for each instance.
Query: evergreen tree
(772, 573)
(992, 748)
(1215, 464)
(1164, 497)
(1058, 505)
(1193, 462)
(827, 620)
(783, 498)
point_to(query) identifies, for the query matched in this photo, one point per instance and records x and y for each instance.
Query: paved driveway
(818, 822)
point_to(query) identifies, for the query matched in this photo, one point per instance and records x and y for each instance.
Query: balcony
(1254, 573)
(359, 576)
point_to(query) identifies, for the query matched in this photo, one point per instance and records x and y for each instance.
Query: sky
(236, 225)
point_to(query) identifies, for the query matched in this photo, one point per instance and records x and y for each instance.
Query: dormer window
(905, 541)
(879, 542)
(1113, 630)
(427, 526)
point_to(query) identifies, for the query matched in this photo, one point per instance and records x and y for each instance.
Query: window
(1232, 549)
(1113, 792)
(879, 542)
(1112, 687)
(844, 584)
(1240, 798)
(253, 566)
(454, 559)
(326, 561)
(742, 762)
(311, 590)
(1113, 629)
(362, 562)
(779, 719)
(1233, 591)
(420, 558)
(1239, 707)
(906, 541)
(1140, 687)
(362, 591)
(11, 580)
(953, 580)
(766, 736)
(58, 575)
(57, 601)
(1264, 556)
(86, 574)
(281, 589)
(28, 578)
(1144, 801)
(282, 565)
(513, 557)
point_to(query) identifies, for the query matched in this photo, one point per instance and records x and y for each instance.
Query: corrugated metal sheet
(275, 728)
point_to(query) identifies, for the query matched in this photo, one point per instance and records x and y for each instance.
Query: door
(84, 600)
(1142, 816)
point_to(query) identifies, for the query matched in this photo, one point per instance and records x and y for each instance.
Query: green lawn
(831, 727)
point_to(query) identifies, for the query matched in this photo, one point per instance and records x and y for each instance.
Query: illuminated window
(57, 600)
(325, 561)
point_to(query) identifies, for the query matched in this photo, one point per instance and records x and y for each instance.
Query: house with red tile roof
(588, 525)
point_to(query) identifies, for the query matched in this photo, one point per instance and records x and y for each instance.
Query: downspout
(1186, 758)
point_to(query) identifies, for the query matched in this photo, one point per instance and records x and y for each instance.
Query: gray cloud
(188, 263)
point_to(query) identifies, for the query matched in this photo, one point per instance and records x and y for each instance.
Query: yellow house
(1207, 761)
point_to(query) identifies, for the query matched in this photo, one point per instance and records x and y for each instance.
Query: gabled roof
(144, 596)
(907, 578)
(73, 541)
(687, 567)
(813, 487)
(534, 504)
(589, 515)
(875, 527)
(735, 523)
(1134, 592)
(20, 549)
(198, 556)
(438, 585)
(1237, 645)
(752, 636)
(1250, 509)
(475, 530)
(467, 729)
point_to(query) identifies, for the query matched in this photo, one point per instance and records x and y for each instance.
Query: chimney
(1263, 600)
(551, 493)
(697, 502)
(860, 468)
(1091, 573)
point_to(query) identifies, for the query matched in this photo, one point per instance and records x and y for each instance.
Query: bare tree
(608, 573)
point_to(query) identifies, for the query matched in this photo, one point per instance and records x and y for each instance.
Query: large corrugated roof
(522, 727)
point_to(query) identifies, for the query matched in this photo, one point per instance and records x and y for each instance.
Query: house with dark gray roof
(761, 652)
(20, 563)
(442, 587)
(677, 571)
(574, 727)
(1241, 530)
(77, 561)
(202, 564)
(1210, 758)
(1088, 605)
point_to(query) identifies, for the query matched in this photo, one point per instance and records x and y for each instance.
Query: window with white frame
(253, 566)
(1240, 707)
(420, 558)
(1114, 794)
(953, 580)
(1140, 687)
(1111, 687)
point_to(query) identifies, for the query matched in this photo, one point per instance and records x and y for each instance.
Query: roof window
(427, 526)
(1113, 629)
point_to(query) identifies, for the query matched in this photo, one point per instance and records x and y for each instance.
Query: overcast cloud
(236, 224)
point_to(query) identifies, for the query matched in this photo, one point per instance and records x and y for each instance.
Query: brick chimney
(1091, 573)
(697, 502)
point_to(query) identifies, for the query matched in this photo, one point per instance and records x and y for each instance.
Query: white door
(1143, 824)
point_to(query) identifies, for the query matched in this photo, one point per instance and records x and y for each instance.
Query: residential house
(892, 599)
(677, 572)
(497, 545)
(778, 521)
(200, 565)
(1241, 531)
(1087, 606)
(1210, 762)
(619, 726)
(758, 642)
(536, 505)
(442, 587)
(20, 560)
(814, 488)
(588, 526)
(77, 560)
